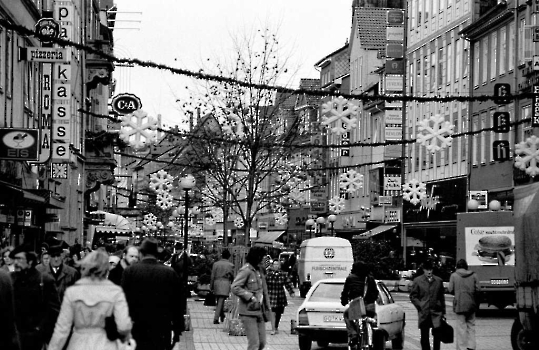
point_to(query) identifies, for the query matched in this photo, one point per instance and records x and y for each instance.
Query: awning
(113, 230)
(269, 237)
(115, 220)
(32, 196)
(375, 231)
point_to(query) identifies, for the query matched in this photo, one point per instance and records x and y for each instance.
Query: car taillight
(303, 319)
(308, 277)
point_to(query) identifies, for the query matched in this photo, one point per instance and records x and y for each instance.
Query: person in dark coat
(9, 336)
(277, 280)
(427, 295)
(130, 256)
(152, 291)
(464, 285)
(359, 283)
(181, 262)
(222, 275)
(64, 276)
(36, 300)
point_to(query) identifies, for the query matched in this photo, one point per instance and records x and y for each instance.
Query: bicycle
(364, 324)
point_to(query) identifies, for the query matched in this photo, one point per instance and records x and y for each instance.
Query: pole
(332, 233)
(185, 223)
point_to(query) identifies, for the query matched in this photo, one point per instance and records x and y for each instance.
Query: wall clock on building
(59, 170)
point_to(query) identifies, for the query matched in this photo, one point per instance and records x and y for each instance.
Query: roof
(269, 237)
(308, 100)
(375, 231)
(345, 47)
(371, 27)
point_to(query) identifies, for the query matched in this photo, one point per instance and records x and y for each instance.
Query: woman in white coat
(86, 305)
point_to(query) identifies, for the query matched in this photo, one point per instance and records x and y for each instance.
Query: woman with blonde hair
(85, 306)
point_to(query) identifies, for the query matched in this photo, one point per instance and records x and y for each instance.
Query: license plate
(499, 281)
(333, 318)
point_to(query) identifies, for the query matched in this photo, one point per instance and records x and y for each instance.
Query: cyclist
(354, 286)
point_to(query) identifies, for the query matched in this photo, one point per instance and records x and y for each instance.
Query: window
(441, 69)
(511, 52)
(503, 50)
(476, 55)
(432, 70)
(485, 60)
(483, 136)
(8, 63)
(426, 74)
(466, 59)
(494, 55)
(449, 63)
(458, 58)
(475, 140)
(521, 41)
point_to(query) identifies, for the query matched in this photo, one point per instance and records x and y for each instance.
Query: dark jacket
(65, 277)
(115, 275)
(354, 286)
(9, 336)
(153, 292)
(429, 300)
(36, 307)
(464, 285)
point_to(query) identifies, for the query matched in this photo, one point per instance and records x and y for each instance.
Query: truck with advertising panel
(525, 330)
(486, 241)
(323, 257)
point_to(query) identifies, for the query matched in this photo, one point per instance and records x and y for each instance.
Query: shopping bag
(444, 332)
(210, 299)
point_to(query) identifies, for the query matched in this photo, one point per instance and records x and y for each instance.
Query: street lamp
(320, 221)
(310, 223)
(187, 183)
(332, 218)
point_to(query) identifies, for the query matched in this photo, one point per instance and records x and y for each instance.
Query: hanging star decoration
(341, 111)
(336, 204)
(150, 219)
(160, 181)
(238, 222)
(435, 133)
(351, 181)
(138, 129)
(414, 191)
(528, 155)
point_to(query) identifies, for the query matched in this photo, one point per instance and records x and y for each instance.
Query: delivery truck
(525, 330)
(486, 240)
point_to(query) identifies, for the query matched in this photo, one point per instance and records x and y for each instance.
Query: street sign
(535, 102)
(124, 104)
(500, 91)
(385, 200)
(394, 50)
(49, 28)
(44, 54)
(500, 150)
(501, 121)
(395, 17)
(535, 34)
(395, 34)
(395, 66)
(393, 83)
(19, 144)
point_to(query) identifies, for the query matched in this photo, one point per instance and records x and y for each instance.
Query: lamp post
(187, 183)
(332, 218)
(319, 222)
(310, 223)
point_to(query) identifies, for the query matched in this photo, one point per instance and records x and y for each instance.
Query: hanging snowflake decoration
(137, 129)
(351, 181)
(233, 125)
(217, 214)
(238, 222)
(528, 155)
(297, 195)
(210, 220)
(435, 133)
(414, 191)
(336, 204)
(281, 218)
(164, 200)
(341, 111)
(160, 181)
(150, 219)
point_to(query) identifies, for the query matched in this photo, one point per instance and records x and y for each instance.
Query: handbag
(130, 344)
(111, 329)
(210, 299)
(444, 332)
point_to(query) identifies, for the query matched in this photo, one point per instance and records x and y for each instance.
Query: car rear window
(327, 292)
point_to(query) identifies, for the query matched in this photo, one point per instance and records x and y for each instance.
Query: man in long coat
(9, 336)
(153, 292)
(222, 275)
(36, 300)
(427, 295)
(64, 276)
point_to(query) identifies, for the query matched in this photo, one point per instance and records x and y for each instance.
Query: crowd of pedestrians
(74, 298)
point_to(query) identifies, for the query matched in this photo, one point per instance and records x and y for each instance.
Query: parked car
(320, 317)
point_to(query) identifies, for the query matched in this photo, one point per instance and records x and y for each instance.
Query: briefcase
(444, 332)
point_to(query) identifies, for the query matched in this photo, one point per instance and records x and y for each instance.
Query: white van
(323, 257)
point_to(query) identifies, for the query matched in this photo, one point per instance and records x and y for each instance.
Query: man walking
(36, 300)
(152, 291)
(129, 257)
(464, 285)
(222, 275)
(9, 336)
(64, 276)
(427, 295)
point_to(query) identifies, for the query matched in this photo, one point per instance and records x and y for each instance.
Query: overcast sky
(184, 34)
